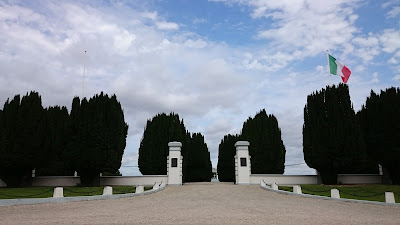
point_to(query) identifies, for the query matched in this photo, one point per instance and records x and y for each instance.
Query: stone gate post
(174, 163)
(242, 162)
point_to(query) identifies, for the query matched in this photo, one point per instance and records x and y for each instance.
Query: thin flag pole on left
(83, 77)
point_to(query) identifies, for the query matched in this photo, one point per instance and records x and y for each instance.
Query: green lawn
(46, 192)
(370, 192)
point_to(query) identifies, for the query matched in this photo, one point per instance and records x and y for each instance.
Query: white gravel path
(203, 203)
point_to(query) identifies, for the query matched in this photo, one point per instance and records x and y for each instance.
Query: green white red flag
(337, 68)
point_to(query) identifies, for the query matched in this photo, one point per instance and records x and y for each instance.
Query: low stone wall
(148, 180)
(56, 181)
(66, 181)
(360, 179)
(313, 179)
(283, 179)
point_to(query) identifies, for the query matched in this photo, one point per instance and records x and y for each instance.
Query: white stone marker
(58, 192)
(242, 161)
(107, 190)
(75, 174)
(389, 197)
(174, 162)
(335, 193)
(274, 186)
(139, 189)
(297, 189)
(156, 186)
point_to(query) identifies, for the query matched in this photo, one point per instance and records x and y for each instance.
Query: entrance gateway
(242, 163)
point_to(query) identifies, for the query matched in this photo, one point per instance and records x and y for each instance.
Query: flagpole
(83, 77)
(329, 72)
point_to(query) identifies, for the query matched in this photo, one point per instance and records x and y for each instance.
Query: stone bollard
(389, 197)
(335, 193)
(163, 184)
(297, 189)
(58, 192)
(274, 186)
(139, 189)
(262, 183)
(156, 186)
(107, 190)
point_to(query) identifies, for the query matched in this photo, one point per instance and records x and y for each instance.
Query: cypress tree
(198, 160)
(98, 137)
(332, 139)
(22, 134)
(57, 129)
(266, 146)
(153, 150)
(380, 123)
(226, 158)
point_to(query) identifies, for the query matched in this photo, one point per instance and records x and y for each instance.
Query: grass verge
(369, 192)
(47, 192)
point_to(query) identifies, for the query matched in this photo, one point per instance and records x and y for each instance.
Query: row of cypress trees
(266, 148)
(380, 123)
(332, 137)
(336, 140)
(91, 139)
(153, 150)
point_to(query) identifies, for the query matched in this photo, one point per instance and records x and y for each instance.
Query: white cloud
(396, 78)
(163, 25)
(390, 40)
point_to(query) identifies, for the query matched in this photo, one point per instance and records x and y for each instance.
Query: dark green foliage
(332, 140)
(380, 123)
(57, 129)
(22, 136)
(153, 150)
(266, 148)
(226, 158)
(98, 137)
(199, 166)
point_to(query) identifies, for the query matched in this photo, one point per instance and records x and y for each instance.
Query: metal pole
(329, 71)
(83, 78)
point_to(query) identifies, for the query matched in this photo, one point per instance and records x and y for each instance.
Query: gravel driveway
(203, 203)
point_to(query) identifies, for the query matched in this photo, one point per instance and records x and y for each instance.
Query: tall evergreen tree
(98, 137)
(380, 123)
(153, 151)
(57, 129)
(226, 158)
(199, 166)
(266, 146)
(332, 140)
(22, 135)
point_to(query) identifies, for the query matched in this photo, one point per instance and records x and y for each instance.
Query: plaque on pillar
(174, 162)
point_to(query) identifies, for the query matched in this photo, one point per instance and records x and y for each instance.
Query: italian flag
(337, 68)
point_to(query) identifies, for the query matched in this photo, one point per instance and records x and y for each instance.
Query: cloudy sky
(215, 62)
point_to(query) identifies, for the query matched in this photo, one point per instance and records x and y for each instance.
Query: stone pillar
(274, 186)
(58, 192)
(108, 190)
(389, 197)
(297, 189)
(242, 162)
(139, 189)
(335, 193)
(174, 164)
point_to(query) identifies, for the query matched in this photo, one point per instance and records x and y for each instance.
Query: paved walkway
(203, 203)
